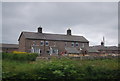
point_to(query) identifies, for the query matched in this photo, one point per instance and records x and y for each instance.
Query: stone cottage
(51, 44)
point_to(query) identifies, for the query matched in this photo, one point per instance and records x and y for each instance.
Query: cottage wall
(22, 43)
(31, 42)
(52, 43)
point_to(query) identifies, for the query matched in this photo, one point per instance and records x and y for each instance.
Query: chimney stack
(103, 42)
(69, 32)
(40, 29)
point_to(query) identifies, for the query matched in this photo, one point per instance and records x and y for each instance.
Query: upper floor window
(72, 44)
(41, 43)
(65, 43)
(46, 43)
(54, 43)
(34, 43)
(77, 44)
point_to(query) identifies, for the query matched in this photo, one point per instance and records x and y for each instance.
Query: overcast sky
(93, 20)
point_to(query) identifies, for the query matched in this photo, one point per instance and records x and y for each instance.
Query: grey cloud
(0, 22)
(93, 20)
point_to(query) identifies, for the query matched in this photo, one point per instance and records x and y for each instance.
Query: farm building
(8, 48)
(51, 44)
(102, 49)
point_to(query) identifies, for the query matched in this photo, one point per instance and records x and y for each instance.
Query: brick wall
(27, 45)
(22, 43)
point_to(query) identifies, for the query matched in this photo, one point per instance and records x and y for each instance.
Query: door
(35, 50)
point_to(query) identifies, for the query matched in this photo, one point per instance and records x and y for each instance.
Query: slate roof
(9, 45)
(57, 37)
(55, 48)
(111, 48)
(100, 47)
(72, 50)
(92, 50)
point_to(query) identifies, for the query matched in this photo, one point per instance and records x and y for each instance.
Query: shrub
(20, 56)
(61, 69)
(17, 52)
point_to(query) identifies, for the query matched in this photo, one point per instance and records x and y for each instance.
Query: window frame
(46, 42)
(41, 43)
(34, 43)
(65, 44)
(72, 44)
(77, 44)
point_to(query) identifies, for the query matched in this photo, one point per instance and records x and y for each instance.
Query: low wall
(80, 57)
(94, 57)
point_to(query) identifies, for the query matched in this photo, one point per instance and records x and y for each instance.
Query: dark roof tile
(72, 50)
(9, 45)
(100, 47)
(58, 37)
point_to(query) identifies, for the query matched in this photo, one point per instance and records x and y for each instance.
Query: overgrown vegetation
(19, 56)
(62, 69)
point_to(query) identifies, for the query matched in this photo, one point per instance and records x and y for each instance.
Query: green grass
(61, 69)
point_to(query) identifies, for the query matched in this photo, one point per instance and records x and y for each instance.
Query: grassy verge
(63, 69)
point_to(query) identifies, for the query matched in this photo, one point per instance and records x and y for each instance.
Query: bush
(19, 56)
(63, 69)
(17, 52)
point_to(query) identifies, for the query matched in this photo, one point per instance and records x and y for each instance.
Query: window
(46, 43)
(54, 51)
(35, 50)
(41, 43)
(72, 44)
(34, 43)
(65, 43)
(47, 52)
(54, 43)
(77, 44)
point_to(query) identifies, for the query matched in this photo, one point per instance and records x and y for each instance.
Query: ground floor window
(35, 50)
(48, 52)
(53, 50)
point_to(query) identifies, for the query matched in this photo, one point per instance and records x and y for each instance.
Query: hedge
(20, 57)
(61, 70)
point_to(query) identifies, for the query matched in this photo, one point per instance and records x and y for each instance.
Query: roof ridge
(49, 36)
(53, 34)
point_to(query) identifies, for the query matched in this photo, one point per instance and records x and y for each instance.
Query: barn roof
(100, 47)
(92, 50)
(72, 50)
(9, 45)
(57, 37)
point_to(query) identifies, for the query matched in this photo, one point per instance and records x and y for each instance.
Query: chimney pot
(69, 32)
(40, 29)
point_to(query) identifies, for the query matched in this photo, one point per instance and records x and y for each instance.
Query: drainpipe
(44, 48)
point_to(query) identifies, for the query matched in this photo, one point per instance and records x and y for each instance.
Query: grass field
(63, 69)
